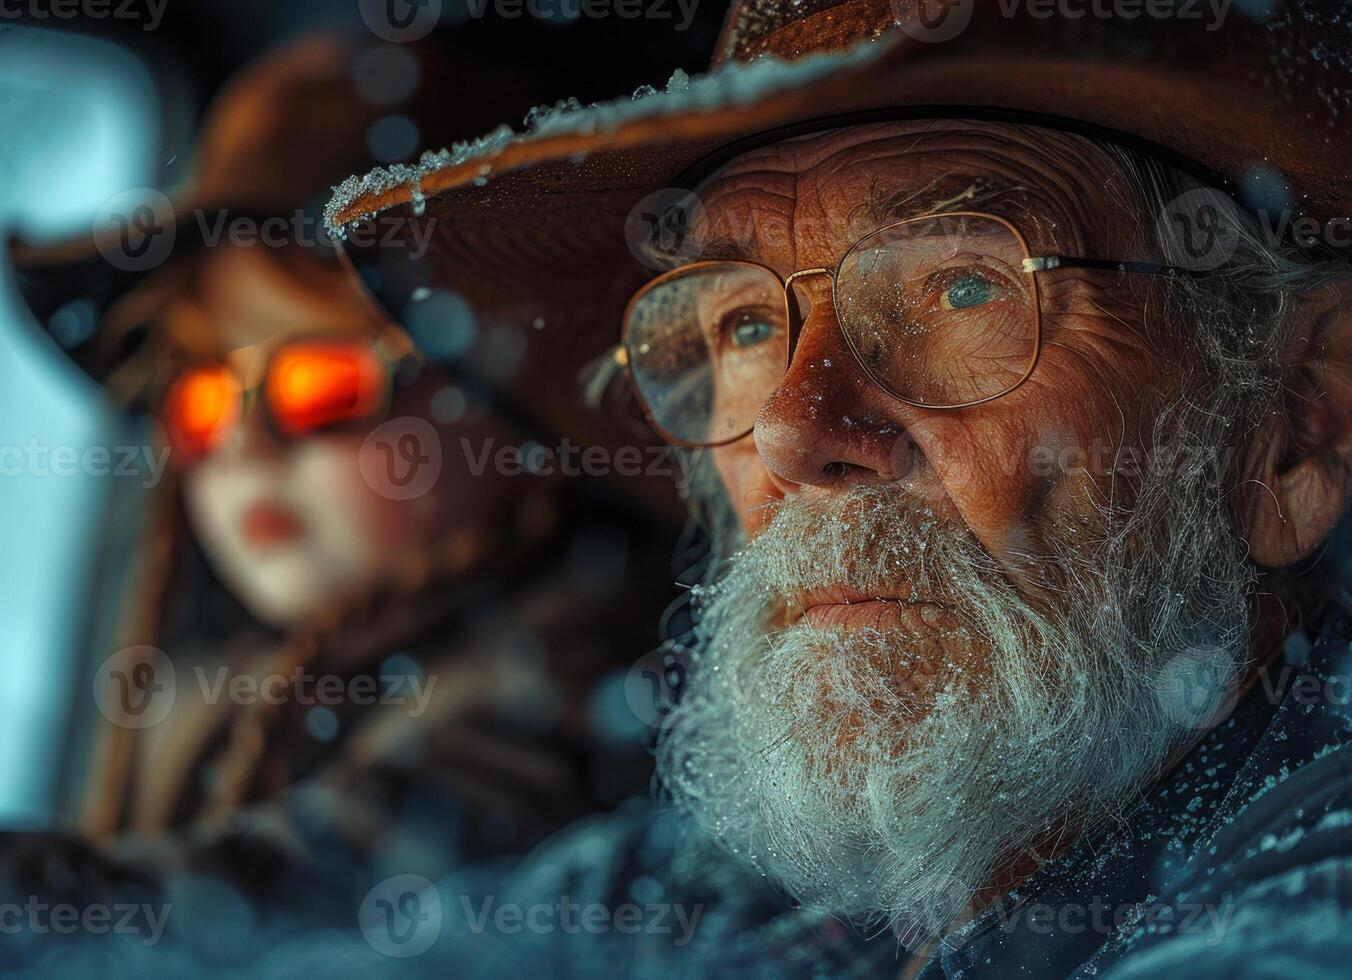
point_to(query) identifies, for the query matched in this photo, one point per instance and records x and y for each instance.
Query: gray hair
(1234, 319)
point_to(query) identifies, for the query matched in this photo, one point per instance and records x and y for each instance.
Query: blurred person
(351, 630)
(1025, 428)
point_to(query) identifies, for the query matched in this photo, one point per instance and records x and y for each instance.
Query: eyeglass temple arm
(600, 374)
(1041, 263)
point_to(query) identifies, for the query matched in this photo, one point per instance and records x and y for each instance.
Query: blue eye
(750, 331)
(967, 292)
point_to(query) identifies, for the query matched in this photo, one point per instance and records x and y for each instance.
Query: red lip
(267, 524)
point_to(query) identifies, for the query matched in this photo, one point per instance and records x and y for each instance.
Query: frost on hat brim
(530, 227)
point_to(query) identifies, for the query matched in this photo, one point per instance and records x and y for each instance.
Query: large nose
(827, 424)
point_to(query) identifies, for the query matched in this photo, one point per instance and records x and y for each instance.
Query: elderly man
(1027, 432)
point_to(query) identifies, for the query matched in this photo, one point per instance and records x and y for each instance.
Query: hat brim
(532, 227)
(70, 287)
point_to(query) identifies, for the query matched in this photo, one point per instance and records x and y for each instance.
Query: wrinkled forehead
(798, 203)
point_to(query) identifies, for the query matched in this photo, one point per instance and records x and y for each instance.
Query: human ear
(1297, 476)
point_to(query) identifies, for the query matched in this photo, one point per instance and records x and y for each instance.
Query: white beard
(814, 755)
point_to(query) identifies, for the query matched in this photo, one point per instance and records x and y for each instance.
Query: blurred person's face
(949, 634)
(291, 522)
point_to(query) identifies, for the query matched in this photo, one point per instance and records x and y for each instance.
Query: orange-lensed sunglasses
(305, 385)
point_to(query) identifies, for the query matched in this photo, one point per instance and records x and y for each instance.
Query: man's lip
(843, 606)
(266, 523)
(836, 595)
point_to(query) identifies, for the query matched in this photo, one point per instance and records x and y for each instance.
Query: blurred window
(80, 124)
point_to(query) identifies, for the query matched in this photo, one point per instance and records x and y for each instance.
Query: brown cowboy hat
(543, 227)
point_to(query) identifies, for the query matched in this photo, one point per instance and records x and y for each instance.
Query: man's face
(946, 634)
(1028, 467)
(996, 468)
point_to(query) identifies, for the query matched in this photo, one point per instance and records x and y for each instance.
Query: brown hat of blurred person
(270, 147)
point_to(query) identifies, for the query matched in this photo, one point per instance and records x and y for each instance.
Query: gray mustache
(869, 538)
